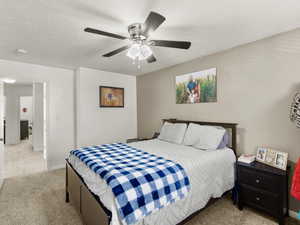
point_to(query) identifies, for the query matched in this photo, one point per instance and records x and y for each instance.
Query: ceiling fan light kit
(140, 49)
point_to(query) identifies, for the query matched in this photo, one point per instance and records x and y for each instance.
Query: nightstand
(136, 140)
(263, 187)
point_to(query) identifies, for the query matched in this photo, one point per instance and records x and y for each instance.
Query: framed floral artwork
(111, 96)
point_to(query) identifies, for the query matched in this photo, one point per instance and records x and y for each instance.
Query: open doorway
(24, 129)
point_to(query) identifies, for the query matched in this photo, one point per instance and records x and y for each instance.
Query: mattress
(211, 173)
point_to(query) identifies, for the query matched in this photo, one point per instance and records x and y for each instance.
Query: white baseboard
(56, 167)
(293, 214)
(38, 149)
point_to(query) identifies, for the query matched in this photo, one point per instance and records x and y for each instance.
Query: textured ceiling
(52, 30)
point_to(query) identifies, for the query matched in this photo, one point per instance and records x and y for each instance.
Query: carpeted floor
(39, 200)
(21, 160)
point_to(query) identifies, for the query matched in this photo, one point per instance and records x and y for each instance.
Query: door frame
(2, 127)
(46, 105)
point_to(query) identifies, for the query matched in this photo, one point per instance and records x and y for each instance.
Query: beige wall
(256, 83)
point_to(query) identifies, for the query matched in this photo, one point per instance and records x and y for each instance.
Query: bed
(211, 175)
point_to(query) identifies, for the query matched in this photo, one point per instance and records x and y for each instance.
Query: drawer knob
(257, 181)
(257, 198)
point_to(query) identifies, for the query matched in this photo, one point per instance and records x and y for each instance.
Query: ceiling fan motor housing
(136, 32)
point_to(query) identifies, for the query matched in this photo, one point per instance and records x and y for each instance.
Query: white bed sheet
(211, 173)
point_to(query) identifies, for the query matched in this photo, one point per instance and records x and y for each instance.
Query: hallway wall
(26, 102)
(13, 92)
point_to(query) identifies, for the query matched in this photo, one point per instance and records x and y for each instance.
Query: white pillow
(172, 132)
(210, 137)
(192, 134)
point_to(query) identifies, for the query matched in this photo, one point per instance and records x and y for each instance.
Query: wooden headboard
(231, 127)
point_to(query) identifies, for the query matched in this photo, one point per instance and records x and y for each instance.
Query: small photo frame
(261, 154)
(281, 160)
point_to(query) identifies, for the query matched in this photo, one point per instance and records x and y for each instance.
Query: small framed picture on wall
(112, 97)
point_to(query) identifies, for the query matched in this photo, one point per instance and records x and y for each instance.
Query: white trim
(1, 183)
(40, 149)
(56, 167)
(2, 101)
(76, 103)
(293, 214)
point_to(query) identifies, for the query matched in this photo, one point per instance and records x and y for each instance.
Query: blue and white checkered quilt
(142, 183)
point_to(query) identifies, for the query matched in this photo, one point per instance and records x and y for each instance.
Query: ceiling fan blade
(171, 44)
(153, 21)
(151, 59)
(117, 51)
(94, 31)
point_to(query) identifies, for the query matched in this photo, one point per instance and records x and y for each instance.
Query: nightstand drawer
(260, 199)
(259, 180)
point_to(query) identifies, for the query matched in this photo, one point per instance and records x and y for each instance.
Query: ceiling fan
(139, 49)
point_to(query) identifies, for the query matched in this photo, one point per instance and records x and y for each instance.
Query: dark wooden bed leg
(234, 194)
(67, 192)
(67, 197)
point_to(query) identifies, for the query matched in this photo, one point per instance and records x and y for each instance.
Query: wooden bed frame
(89, 206)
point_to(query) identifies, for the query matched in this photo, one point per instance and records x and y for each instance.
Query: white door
(1, 133)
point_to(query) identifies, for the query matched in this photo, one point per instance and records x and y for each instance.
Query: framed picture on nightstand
(261, 154)
(281, 160)
(272, 157)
